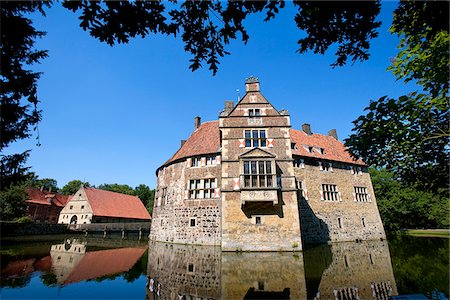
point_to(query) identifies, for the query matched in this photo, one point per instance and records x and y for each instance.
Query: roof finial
(252, 79)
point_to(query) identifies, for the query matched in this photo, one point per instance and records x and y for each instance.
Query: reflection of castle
(340, 271)
(72, 263)
(350, 271)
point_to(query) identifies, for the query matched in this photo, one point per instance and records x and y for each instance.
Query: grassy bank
(444, 233)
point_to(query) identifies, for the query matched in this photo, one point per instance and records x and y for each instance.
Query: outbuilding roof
(111, 204)
(37, 196)
(206, 140)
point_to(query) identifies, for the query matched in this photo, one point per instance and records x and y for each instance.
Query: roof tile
(111, 204)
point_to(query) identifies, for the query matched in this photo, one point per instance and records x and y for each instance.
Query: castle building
(250, 182)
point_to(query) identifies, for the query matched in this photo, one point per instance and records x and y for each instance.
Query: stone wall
(173, 210)
(343, 220)
(175, 271)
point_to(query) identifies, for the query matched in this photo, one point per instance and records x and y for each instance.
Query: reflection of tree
(420, 265)
(49, 279)
(139, 268)
(17, 282)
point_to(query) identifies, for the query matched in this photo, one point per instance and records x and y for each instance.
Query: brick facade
(249, 182)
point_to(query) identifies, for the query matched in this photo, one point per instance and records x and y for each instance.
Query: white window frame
(257, 173)
(330, 192)
(251, 140)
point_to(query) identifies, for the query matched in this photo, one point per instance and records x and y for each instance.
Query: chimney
(333, 133)
(252, 84)
(182, 143)
(197, 122)
(306, 128)
(229, 105)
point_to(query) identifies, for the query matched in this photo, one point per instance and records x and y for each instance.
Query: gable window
(195, 162)
(330, 192)
(255, 138)
(82, 206)
(254, 112)
(202, 188)
(210, 160)
(361, 194)
(258, 174)
(71, 207)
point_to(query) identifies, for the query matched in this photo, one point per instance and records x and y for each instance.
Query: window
(164, 196)
(325, 166)
(70, 207)
(361, 194)
(363, 222)
(293, 146)
(310, 149)
(202, 188)
(258, 174)
(82, 206)
(301, 190)
(255, 138)
(254, 112)
(195, 162)
(330, 192)
(258, 220)
(210, 160)
(322, 151)
(192, 222)
(191, 268)
(209, 185)
(339, 223)
(299, 163)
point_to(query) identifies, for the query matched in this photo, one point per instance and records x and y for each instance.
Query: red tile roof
(206, 140)
(111, 204)
(105, 262)
(37, 196)
(333, 149)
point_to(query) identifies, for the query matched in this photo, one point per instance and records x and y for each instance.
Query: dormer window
(293, 146)
(310, 149)
(255, 138)
(322, 151)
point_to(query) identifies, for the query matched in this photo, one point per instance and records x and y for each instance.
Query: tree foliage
(12, 202)
(206, 27)
(118, 188)
(18, 91)
(403, 206)
(409, 135)
(73, 186)
(47, 184)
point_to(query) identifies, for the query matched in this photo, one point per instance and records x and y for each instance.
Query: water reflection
(72, 260)
(338, 271)
(350, 271)
(72, 263)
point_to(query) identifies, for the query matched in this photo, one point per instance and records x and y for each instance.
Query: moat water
(63, 267)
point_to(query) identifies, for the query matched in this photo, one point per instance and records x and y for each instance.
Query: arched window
(73, 220)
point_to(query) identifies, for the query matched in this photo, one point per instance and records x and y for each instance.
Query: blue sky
(114, 114)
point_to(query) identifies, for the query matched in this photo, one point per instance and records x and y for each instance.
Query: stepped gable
(204, 140)
(334, 149)
(37, 196)
(111, 204)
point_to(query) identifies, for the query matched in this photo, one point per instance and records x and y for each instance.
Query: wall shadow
(313, 229)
